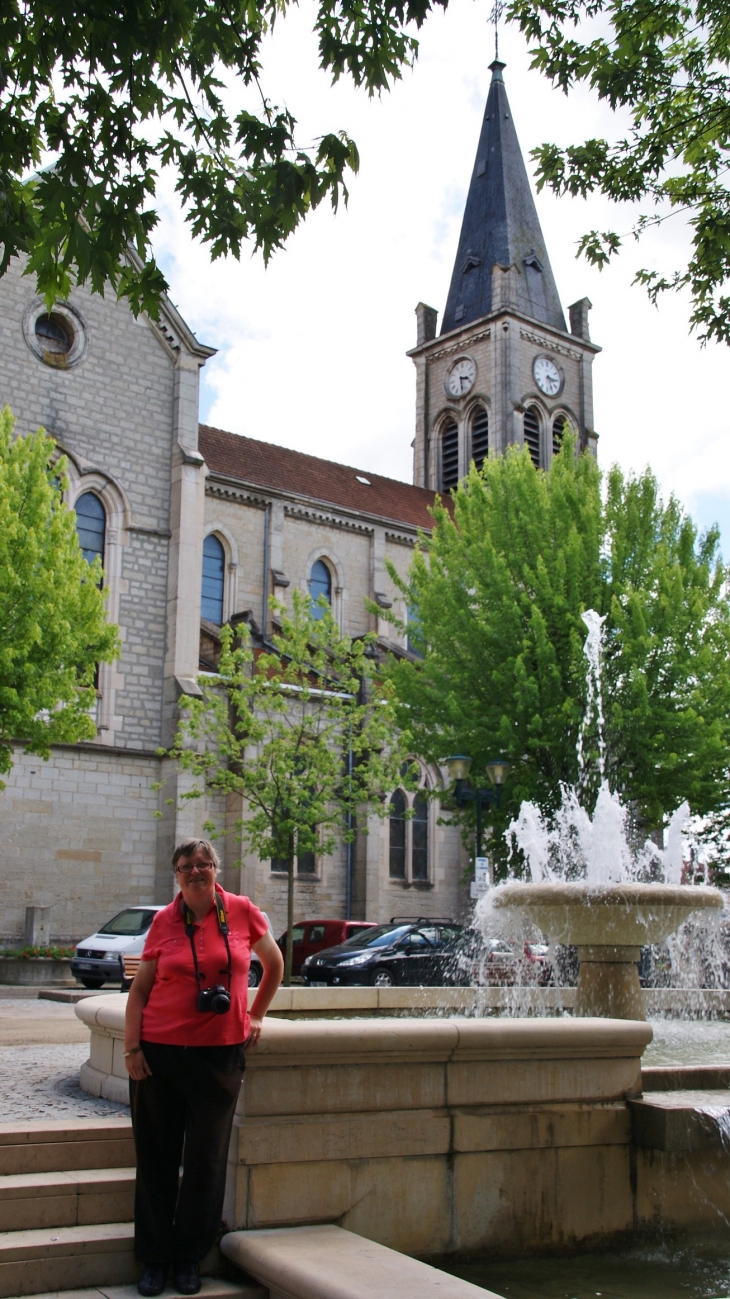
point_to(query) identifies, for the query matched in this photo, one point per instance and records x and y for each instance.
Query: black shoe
(187, 1278)
(153, 1279)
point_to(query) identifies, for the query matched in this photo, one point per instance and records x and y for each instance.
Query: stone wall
(113, 411)
(79, 835)
(431, 1136)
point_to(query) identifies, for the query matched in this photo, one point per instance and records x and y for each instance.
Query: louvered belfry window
(559, 426)
(532, 434)
(479, 436)
(449, 455)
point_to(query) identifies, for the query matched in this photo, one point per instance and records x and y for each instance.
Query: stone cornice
(459, 340)
(548, 342)
(324, 512)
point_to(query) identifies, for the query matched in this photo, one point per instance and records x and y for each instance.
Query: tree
(500, 588)
(101, 96)
(666, 62)
(303, 730)
(53, 628)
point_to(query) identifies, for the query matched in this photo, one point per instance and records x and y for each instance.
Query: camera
(217, 1000)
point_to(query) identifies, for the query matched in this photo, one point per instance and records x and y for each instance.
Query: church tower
(504, 369)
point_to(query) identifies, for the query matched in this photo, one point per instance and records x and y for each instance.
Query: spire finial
(494, 17)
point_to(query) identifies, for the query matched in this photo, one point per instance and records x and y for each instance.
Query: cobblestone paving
(42, 1082)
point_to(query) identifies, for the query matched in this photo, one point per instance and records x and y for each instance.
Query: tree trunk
(289, 915)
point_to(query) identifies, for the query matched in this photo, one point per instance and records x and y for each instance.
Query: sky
(311, 350)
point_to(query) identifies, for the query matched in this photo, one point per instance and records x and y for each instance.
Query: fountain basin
(608, 923)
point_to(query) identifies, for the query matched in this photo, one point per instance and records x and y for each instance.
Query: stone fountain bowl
(609, 924)
(624, 915)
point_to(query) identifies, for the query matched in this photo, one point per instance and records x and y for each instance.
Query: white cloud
(312, 349)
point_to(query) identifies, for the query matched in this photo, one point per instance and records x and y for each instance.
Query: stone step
(328, 1262)
(212, 1288)
(65, 1258)
(65, 1144)
(682, 1120)
(73, 1198)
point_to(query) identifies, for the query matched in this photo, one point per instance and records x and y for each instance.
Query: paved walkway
(39, 1023)
(42, 1048)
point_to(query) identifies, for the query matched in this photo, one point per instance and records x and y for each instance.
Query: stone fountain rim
(566, 893)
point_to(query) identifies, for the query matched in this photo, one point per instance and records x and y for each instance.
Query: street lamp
(459, 766)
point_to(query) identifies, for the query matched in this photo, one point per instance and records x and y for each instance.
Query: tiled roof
(294, 472)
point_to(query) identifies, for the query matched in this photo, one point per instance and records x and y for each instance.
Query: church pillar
(421, 458)
(184, 575)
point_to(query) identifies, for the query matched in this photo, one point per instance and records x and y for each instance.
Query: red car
(315, 935)
(502, 965)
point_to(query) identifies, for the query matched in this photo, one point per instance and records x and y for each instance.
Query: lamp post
(498, 770)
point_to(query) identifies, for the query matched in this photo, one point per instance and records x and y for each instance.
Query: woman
(186, 1026)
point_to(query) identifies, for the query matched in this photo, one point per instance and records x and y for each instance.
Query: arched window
(414, 632)
(532, 434)
(449, 455)
(560, 424)
(214, 568)
(397, 859)
(320, 583)
(91, 526)
(479, 436)
(419, 831)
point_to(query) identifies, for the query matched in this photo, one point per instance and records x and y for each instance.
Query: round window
(54, 333)
(57, 337)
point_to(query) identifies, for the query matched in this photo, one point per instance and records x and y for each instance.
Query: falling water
(594, 702)
(572, 844)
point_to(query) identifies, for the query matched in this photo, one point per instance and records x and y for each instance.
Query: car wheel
(254, 976)
(383, 979)
(93, 983)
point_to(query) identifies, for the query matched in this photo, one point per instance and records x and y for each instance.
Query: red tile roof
(294, 472)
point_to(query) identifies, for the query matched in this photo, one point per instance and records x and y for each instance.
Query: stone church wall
(114, 407)
(79, 835)
(114, 410)
(79, 831)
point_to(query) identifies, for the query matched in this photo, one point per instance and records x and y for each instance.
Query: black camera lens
(214, 1000)
(220, 1002)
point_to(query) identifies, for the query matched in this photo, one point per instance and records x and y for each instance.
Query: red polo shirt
(171, 1015)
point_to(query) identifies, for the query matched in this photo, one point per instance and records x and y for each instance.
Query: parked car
(256, 969)
(504, 964)
(98, 958)
(131, 960)
(407, 954)
(312, 936)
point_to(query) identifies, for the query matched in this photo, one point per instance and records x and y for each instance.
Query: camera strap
(189, 919)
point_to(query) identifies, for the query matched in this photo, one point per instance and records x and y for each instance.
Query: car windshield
(128, 923)
(381, 936)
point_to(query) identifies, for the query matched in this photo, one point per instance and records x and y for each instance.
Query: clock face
(547, 376)
(460, 378)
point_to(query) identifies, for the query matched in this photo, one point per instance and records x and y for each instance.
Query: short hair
(189, 846)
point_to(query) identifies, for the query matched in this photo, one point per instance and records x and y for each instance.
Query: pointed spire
(501, 227)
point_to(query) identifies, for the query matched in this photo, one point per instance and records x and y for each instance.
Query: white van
(98, 959)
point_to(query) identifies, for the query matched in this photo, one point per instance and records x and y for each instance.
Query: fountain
(589, 888)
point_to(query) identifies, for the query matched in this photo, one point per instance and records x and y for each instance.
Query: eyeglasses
(195, 865)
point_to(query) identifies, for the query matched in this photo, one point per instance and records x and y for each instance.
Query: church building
(196, 526)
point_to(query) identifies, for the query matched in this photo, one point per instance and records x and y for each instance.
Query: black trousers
(183, 1114)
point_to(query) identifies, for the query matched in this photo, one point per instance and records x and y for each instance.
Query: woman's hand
(137, 1066)
(256, 1022)
(137, 997)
